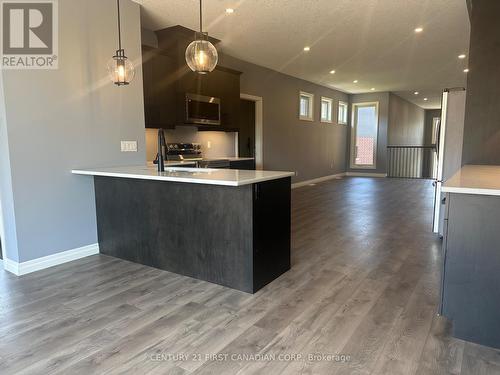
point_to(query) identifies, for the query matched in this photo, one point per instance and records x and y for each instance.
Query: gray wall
(482, 117)
(8, 234)
(406, 123)
(383, 114)
(68, 118)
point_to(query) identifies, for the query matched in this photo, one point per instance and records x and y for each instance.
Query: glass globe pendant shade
(201, 55)
(121, 71)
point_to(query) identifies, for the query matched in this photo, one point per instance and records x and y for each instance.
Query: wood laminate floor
(361, 298)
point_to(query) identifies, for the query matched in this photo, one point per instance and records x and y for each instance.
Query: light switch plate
(129, 146)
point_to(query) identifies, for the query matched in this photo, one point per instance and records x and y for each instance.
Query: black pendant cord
(119, 26)
(201, 19)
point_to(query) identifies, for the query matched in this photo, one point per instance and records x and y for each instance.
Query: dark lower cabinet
(238, 237)
(242, 164)
(471, 272)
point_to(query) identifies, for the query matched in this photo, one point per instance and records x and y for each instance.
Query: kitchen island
(226, 226)
(470, 293)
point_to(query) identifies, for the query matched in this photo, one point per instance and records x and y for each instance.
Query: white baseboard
(11, 266)
(317, 180)
(365, 174)
(38, 264)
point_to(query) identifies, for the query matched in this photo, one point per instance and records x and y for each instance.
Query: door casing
(353, 135)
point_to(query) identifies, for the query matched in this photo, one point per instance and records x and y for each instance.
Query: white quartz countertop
(227, 177)
(475, 179)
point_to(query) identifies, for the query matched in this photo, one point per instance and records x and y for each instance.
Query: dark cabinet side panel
(272, 230)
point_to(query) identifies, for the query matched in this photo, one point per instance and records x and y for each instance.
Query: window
(326, 109)
(306, 109)
(435, 129)
(342, 118)
(364, 135)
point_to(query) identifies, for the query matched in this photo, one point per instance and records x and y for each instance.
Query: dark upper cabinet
(167, 80)
(159, 89)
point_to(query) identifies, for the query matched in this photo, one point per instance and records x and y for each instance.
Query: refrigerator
(449, 148)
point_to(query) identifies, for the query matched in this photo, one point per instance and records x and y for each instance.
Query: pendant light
(121, 71)
(201, 55)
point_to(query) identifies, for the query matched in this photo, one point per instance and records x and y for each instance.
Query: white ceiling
(372, 41)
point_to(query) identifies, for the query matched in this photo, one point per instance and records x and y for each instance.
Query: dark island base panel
(238, 237)
(471, 283)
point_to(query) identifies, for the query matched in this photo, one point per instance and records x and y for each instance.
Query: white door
(364, 133)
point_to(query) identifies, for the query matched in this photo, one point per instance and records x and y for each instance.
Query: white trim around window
(354, 121)
(306, 106)
(342, 112)
(326, 110)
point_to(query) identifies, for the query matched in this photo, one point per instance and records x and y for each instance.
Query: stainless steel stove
(184, 151)
(192, 152)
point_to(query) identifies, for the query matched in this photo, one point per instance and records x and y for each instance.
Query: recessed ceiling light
(355, 81)
(425, 99)
(416, 92)
(332, 71)
(307, 48)
(462, 56)
(466, 70)
(419, 29)
(229, 10)
(373, 89)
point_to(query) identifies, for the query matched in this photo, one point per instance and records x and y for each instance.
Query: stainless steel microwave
(201, 109)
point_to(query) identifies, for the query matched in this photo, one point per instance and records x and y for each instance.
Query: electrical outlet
(209, 144)
(129, 146)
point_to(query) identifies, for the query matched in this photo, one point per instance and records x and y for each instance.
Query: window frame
(330, 102)
(436, 122)
(310, 116)
(352, 161)
(345, 105)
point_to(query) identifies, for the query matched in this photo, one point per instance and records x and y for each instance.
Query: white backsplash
(221, 143)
